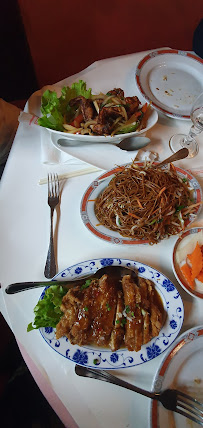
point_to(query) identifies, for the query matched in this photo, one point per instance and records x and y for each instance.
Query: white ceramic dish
(180, 369)
(170, 80)
(106, 359)
(184, 245)
(97, 186)
(151, 121)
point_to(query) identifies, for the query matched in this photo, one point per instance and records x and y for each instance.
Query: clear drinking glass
(181, 140)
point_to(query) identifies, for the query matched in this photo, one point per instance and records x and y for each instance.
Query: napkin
(105, 156)
(52, 155)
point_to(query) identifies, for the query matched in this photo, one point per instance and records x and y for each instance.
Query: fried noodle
(145, 203)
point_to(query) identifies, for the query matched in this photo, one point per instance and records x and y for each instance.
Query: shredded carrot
(161, 191)
(172, 167)
(139, 203)
(133, 215)
(187, 273)
(144, 108)
(196, 261)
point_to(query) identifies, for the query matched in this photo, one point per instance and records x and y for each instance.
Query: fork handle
(50, 266)
(106, 376)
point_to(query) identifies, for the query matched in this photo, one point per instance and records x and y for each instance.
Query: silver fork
(171, 399)
(53, 200)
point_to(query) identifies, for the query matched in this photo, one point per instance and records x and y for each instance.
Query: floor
(22, 405)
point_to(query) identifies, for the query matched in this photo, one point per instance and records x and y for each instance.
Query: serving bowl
(115, 139)
(184, 246)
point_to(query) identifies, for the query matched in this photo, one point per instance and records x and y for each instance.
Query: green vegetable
(47, 311)
(179, 208)
(86, 284)
(108, 307)
(153, 221)
(123, 322)
(127, 309)
(128, 128)
(54, 109)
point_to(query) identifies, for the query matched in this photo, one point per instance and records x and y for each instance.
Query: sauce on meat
(109, 313)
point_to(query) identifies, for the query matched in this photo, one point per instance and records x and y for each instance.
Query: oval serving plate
(101, 358)
(171, 80)
(180, 369)
(97, 186)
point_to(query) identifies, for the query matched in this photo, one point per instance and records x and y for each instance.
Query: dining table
(24, 238)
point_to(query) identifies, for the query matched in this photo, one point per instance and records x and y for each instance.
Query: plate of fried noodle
(139, 204)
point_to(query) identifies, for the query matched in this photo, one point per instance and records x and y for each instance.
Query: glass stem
(192, 134)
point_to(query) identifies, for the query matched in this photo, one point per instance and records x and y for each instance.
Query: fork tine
(188, 397)
(189, 416)
(193, 410)
(57, 184)
(186, 407)
(53, 185)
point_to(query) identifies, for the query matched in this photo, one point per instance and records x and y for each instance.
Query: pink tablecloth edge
(47, 391)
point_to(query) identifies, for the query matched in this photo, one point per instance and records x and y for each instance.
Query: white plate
(151, 121)
(106, 359)
(171, 80)
(181, 369)
(97, 186)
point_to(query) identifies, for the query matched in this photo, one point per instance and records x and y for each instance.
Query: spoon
(180, 154)
(114, 271)
(129, 144)
(133, 143)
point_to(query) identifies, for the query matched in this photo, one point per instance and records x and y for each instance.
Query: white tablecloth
(24, 236)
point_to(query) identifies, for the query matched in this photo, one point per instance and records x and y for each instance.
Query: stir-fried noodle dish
(146, 203)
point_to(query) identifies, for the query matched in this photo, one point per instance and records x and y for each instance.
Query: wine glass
(181, 140)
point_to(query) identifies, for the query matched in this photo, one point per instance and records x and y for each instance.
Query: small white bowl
(183, 246)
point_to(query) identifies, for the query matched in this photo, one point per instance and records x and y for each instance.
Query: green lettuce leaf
(47, 311)
(54, 109)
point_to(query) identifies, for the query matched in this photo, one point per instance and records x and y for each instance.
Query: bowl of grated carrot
(188, 261)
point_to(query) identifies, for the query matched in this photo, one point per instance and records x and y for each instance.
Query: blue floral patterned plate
(103, 358)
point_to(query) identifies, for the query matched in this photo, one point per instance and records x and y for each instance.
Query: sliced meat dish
(112, 313)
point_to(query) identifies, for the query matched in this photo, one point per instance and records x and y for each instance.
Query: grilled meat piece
(105, 120)
(145, 310)
(117, 335)
(117, 92)
(144, 316)
(103, 320)
(100, 129)
(134, 321)
(132, 104)
(89, 313)
(86, 105)
(69, 306)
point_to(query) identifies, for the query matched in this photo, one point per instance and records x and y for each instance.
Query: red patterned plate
(97, 186)
(171, 80)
